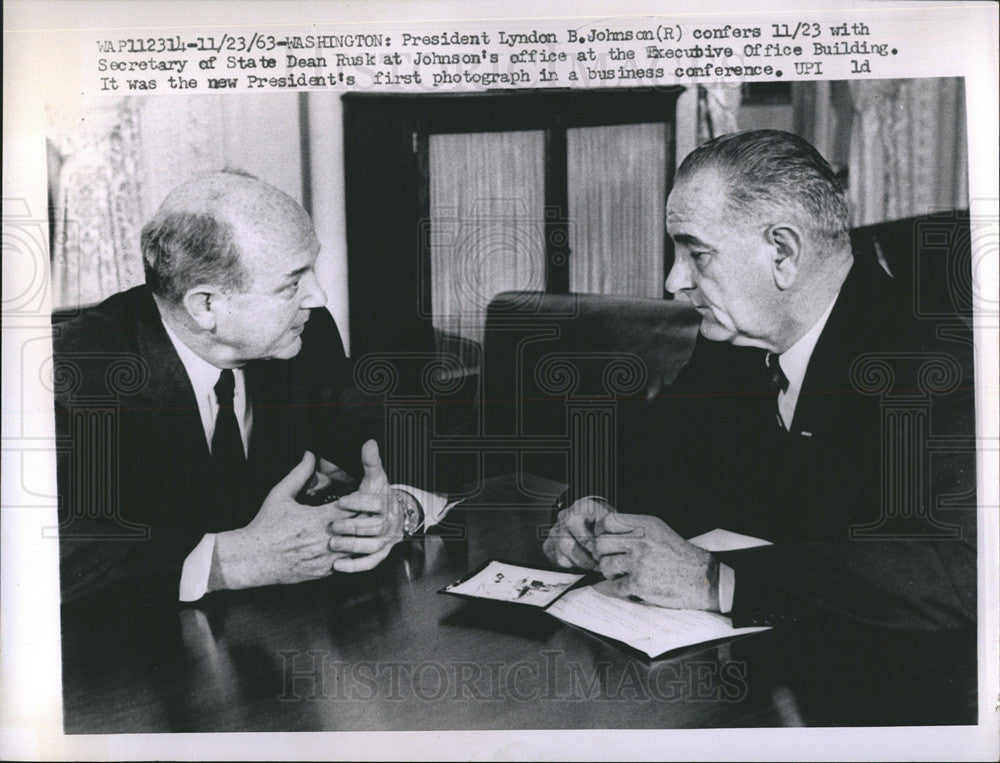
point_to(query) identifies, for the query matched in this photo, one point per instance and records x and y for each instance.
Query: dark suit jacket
(869, 498)
(134, 462)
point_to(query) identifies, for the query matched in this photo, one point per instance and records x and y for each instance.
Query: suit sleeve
(907, 584)
(349, 416)
(137, 563)
(112, 545)
(660, 466)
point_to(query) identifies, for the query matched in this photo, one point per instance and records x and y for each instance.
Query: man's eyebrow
(688, 240)
(297, 272)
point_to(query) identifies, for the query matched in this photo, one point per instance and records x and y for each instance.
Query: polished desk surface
(383, 650)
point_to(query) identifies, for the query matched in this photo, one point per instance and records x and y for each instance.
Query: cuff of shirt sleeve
(434, 506)
(567, 498)
(196, 569)
(727, 588)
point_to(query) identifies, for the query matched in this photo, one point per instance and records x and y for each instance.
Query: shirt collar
(795, 360)
(203, 375)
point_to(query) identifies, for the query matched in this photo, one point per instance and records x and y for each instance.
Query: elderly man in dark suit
(772, 429)
(200, 408)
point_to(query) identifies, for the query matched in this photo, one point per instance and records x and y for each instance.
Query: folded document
(648, 628)
(652, 630)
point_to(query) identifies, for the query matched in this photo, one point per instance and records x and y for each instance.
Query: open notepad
(648, 628)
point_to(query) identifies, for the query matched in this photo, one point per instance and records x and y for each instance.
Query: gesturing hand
(328, 482)
(286, 542)
(641, 556)
(378, 525)
(570, 542)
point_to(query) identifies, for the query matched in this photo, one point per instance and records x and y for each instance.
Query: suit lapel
(264, 420)
(175, 411)
(858, 316)
(279, 419)
(275, 419)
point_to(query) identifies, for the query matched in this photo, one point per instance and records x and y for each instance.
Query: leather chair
(556, 365)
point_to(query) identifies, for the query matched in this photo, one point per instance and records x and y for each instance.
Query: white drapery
(718, 108)
(119, 158)
(616, 179)
(97, 200)
(487, 225)
(908, 148)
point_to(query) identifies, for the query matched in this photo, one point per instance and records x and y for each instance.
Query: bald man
(203, 406)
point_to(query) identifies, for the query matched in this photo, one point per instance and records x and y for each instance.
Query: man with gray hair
(774, 430)
(237, 413)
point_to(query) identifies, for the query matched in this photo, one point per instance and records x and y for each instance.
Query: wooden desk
(383, 650)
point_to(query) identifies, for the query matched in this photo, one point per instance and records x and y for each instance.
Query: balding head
(203, 229)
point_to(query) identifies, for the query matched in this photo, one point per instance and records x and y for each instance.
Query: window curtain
(908, 148)
(822, 113)
(114, 161)
(486, 228)
(718, 108)
(97, 202)
(616, 177)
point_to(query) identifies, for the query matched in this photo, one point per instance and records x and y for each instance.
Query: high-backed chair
(556, 366)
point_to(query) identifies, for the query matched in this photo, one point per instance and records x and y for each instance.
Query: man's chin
(718, 333)
(289, 350)
(710, 329)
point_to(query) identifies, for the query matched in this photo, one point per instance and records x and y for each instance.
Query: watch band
(412, 512)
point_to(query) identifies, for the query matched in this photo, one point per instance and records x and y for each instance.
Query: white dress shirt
(794, 361)
(203, 377)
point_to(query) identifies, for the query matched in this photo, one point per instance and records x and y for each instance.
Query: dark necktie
(779, 384)
(228, 458)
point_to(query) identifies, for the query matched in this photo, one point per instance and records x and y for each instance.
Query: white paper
(509, 582)
(650, 629)
(724, 540)
(647, 627)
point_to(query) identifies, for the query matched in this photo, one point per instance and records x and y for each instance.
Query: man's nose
(312, 293)
(679, 278)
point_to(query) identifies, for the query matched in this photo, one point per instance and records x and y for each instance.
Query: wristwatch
(412, 513)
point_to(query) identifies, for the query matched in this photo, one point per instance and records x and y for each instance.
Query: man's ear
(787, 240)
(200, 302)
